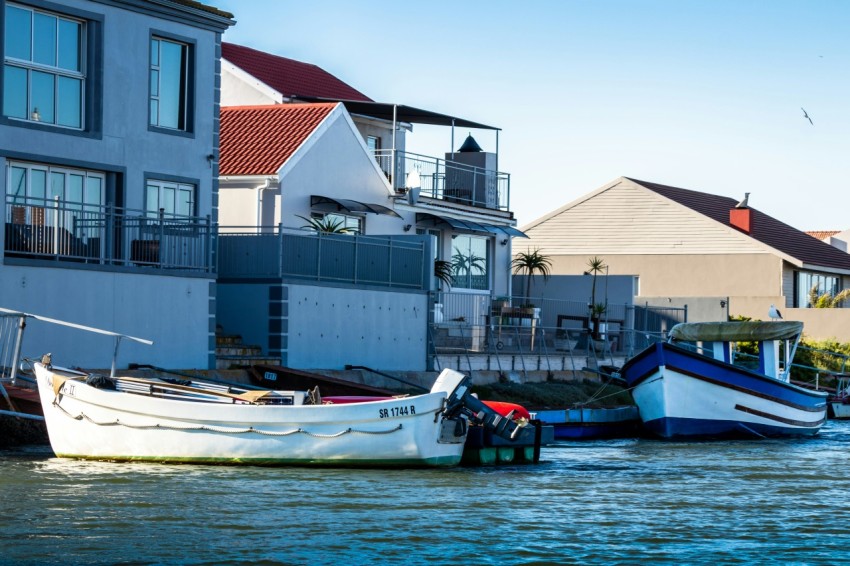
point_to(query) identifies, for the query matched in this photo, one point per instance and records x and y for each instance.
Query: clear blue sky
(704, 95)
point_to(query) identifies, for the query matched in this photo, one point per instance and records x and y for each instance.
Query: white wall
(171, 311)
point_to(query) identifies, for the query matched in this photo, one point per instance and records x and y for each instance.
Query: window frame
(360, 221)
(91, 57)
(162, 183)
(459, 283)
(190, 78)
(801, 292)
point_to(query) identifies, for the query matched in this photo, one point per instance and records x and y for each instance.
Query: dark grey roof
(765, 229)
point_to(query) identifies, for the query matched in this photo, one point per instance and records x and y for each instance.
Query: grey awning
(329, 204)
(746, 331)
(426, 219)
(384, 111)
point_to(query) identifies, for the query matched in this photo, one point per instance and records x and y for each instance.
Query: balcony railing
(53, 229)
(447, 180)
(351, 259)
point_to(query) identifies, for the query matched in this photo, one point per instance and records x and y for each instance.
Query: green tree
(596, 265)
(531, 263)
(827, 300)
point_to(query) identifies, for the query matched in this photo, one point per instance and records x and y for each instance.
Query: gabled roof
(765, 229)
(822, 234)
(258, 140)
(289, 77)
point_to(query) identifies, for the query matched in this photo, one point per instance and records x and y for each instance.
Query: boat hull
(680, 394)
(840, 410)
(90, 423)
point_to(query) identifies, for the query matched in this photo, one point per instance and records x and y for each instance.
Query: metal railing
(447, 180)
(276, 252)
(59, 230)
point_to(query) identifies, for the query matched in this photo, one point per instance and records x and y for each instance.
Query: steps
(232, 353)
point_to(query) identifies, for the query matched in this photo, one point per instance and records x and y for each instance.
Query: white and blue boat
(695, 386)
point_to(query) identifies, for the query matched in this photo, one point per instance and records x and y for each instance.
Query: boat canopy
(746, 331)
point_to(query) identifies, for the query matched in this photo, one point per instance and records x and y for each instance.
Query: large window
(44, 185)
(352, 224)
(175, 199)
(807, 281)
(44, 68)
(470, 262)
(170, 74)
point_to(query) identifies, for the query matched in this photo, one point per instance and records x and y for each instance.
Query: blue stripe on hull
(679, 428)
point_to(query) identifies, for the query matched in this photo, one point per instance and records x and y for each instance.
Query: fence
(387, 261)
(54, 229)
(447, 180)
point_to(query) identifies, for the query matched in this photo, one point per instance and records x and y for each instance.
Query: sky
(699, 94)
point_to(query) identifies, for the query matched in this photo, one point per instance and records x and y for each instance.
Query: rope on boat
(222, 430)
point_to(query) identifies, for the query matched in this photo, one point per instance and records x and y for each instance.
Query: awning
(328, 204)
(402, 113)
(426, 219)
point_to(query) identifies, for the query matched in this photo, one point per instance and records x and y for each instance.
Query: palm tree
(596, 266)
(531, 263)
(443, 271)
(827, 300)
(326, 225)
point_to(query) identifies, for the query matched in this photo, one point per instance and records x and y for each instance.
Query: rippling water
(624, 501)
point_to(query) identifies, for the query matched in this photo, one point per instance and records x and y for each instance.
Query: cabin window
(44, 77)
(470, 262)
(807, 283)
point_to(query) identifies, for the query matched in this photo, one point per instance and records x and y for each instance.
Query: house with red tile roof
(283, 163)
(835, 238)
(715, 253)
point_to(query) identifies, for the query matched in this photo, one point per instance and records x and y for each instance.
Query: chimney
(741, 217)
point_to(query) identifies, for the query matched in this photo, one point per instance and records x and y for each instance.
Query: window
(44, 68)
(170, 84)
(807, 281)
(470, 262)
(373, 143)
(40, 185)
(354, 224)
(175, 199)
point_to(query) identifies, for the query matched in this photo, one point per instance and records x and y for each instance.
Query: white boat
(165, 420)
(703, 391)
(840, 402)
(131, 419)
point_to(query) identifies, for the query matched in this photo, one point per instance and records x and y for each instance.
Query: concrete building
(718, 255)
(108, 146)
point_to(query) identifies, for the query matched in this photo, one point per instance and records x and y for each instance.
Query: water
(611, 502)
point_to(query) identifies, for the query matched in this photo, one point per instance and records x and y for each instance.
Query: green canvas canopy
(747, 331)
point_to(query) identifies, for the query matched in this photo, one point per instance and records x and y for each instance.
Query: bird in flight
(806, 116)
(774, 313)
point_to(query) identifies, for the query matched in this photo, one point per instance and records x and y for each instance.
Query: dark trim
(62, 162)
(81, 266)
(92, 126)
(205, 19)
(777, 418)
(191, 83)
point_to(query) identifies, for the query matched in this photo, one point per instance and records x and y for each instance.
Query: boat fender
(100, 381)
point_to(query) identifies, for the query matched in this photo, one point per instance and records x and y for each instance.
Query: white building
(108, 146)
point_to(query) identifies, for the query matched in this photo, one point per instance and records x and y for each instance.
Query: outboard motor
(461, 401)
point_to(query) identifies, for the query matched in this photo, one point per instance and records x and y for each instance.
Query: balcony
(274, 252)
(71, 232)
(448, 181)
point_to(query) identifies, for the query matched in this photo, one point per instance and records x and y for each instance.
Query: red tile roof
(765, 229)
(822, 234)
(257, 140)
(290, 77)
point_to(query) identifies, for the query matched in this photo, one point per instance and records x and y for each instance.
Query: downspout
(265, 186)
